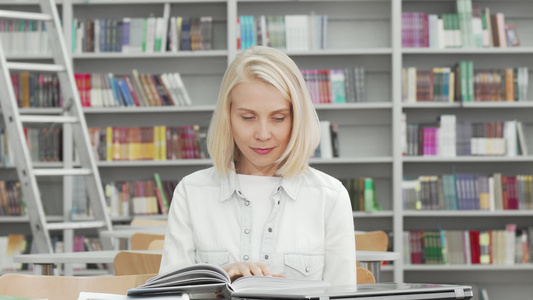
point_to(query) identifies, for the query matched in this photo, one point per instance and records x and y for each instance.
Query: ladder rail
(73, 122)
(24, 169)
(72, 100)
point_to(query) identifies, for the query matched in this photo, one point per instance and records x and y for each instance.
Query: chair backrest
(372, 241)
(141, 240)
(156, 245)
(365, 276)
(147, 222)
(131, 263)
(66, 287)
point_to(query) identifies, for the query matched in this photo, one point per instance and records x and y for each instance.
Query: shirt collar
(230, 185)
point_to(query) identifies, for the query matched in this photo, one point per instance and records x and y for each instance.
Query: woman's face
(261, 122)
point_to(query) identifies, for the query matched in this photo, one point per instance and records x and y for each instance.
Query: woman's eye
(279, 119)
(247, 118)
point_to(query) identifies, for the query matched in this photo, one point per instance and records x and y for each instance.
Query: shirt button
(247, 203)
(266, 256)
(307, 269)
(269, 229)
(246, 231)
(245, 257)
(278, 202)
(278, 188)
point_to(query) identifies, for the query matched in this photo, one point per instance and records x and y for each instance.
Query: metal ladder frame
(73, 120)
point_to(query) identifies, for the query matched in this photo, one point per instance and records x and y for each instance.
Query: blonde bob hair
(276, 69)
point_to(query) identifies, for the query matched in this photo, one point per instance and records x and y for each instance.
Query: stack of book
(149, 143)
(464, 247)
(451, 138)
(11, 202)
(26, 37)
(289, 32)
(139, 197)
(143, 35)
(494, 192)
(462, 83)
(336, 86)
(469, 27)
(36, 90)
(7, 155)
(362, 194)
(99, 90)
(11, 245)
(329, 141)
(45, 144)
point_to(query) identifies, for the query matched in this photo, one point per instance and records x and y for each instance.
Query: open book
(206, 278)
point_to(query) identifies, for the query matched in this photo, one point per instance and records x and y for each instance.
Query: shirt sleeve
(339, 267)
(179, 247)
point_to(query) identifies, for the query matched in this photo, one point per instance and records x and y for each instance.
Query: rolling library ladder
(73, 121)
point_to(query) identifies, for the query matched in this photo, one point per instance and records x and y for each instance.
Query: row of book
(335, 85)
(494, 192)
(36, 90)
(362, 193)
(452, 138)
(149, 143)
(471, 26)
(45, 144)
(108, 90)
(290, 32)
(462, 83)
(143, 197)
(143, 35)
(466, 247)
(11, 202)
(329, 141)
(7, 155)
(24, 37)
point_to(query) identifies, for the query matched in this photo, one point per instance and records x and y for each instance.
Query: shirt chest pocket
(217, 258)
(308, 266)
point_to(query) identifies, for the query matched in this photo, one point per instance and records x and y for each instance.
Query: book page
(105, 296)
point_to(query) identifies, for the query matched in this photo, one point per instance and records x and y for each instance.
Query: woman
(261, 210)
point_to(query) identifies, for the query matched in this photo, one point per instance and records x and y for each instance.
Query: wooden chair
(364, 276)
(66, 287)
(372, 241)
(132, 263)
(147, 222)
(156, 245)
(140, 240)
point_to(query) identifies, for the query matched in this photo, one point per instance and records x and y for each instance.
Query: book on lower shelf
(207, 278)
(509, 246)
(461, 191)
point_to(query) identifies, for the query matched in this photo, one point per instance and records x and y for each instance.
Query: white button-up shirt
(310, 230)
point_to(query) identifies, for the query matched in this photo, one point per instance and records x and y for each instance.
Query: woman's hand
(241, 269)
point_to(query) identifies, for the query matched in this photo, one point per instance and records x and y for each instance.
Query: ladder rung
(62, 172)
(48, 119)
(35, 67)
(24, 15)
(75, 225)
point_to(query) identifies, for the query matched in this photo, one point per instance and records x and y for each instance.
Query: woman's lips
(263, 151)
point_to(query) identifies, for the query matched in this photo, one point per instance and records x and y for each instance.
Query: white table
(44, 263)
(371, 260)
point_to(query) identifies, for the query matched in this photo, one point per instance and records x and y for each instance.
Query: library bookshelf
(365, 33)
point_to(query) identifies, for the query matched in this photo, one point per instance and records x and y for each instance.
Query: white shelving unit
(360, 33)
